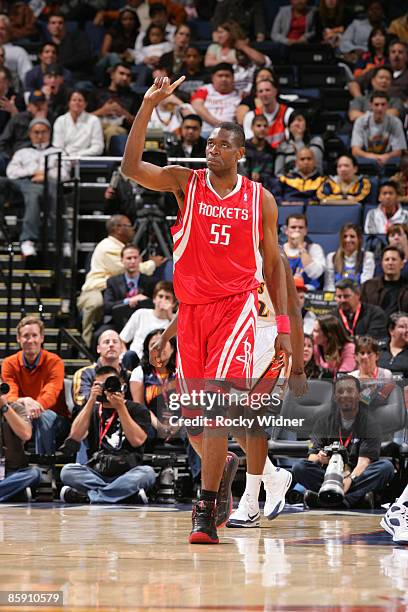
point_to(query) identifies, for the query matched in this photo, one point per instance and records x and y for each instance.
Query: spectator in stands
(308, 316)
(381, 81)
(16, 430)
(173, 60)
(128, 291)
(297, 137)
(277, 113)
(401, 178)
(27, 171)
(331, 19)
(377, 135)
(347, 186)
(218, 101)
(251, 102)
(73, 49)
(306, 258)
(249, 16)
(10, 102)
(55, 91)
(36, 380)
(15, 134)
(167, 116)
(230, 41)
(350, 261)
(397, 235)
(150, 385)
(116, 430)
(388, 291)
(399, 27)
(117, 104)
(294, 24)
(348, 423)
(158, 16)
(398, 61)
(48, 56)
(311, 369)
(105, 262)
(119, 41)
(191, 143)
(299, 185)
(376, 54)
(388, 212)
(358, 318)
(144, 320)
(333, 347)
(355, 39)
(196, 75)
(17, 59)
(246, 67)
(259, 155)
(109, 349)
(154, 47)
(22, 21)
(395, 355)
(78, 133)
(371, 377)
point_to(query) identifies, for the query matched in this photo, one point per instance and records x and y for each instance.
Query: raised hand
(161, 89)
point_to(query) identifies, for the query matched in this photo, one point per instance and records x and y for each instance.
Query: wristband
(298, 372)
(283, 324)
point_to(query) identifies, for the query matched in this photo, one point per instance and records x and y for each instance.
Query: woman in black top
(395, 354)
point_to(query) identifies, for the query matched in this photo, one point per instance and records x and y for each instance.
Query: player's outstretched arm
(274, 271)
(169, 178)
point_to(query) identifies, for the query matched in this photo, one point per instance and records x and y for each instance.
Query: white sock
(404, 496)
(253, 485)
(269, 467)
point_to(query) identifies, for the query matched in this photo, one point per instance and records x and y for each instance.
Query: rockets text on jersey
(216, 240)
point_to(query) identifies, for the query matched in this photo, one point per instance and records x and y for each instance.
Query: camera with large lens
(111, 385)
(4, 388)
(332, 491)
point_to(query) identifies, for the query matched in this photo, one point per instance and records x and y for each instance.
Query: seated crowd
(81, 95)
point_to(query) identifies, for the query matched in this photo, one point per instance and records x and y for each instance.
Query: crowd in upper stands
(72, 77)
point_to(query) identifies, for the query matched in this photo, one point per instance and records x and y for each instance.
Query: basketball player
(276, 481)
(223, 217)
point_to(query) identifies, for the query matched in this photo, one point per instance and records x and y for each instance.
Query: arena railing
(8, 280)
(61, 218)
(27, 280)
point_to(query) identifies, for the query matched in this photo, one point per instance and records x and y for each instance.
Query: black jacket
(116, 291)
(198, 149)
(371, 322)
(373, 291)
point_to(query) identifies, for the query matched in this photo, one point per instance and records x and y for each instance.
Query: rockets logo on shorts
(246, 358)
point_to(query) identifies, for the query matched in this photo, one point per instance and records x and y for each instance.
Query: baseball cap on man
(300, 283)
(54, 69)
(36, 96)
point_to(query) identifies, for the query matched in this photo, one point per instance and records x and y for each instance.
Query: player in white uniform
(276, 481)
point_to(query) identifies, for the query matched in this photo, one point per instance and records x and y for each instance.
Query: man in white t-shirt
(218, 101)
(146, 320)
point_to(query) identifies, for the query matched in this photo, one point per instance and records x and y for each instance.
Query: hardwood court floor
(131, 558)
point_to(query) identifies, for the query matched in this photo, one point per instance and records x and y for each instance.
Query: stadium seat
(328, 219)
(373, 196)
(328, 242)
(310, 54)
(322, 76)
(95, 36)
(309, 407)
(285, 211)
(335, 99)
(286, 76)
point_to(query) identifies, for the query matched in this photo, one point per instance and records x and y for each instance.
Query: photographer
(15, 429)
(116, 430)
(350, 424)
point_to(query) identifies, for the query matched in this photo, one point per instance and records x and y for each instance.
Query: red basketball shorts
(216, 340)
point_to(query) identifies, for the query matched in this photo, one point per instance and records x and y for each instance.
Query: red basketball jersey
(216, 240)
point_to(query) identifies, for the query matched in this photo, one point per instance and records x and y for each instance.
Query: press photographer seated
(350, 424)
(116, 430)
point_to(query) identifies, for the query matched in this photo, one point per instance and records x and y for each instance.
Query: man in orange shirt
(36, 380)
